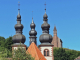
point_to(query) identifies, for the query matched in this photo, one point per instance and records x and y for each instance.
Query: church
(45, 50)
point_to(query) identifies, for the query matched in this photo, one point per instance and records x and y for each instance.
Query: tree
(20, 54)
(2, 41)
(8, 43)
(5, 54)
(60, 54)
(65, 54)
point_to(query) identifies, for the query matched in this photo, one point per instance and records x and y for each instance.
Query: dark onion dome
(45, 26)
(18, 16)
(32, 32)
(45, 15)
(32, 25)
(18, 26)
(18, 37)
(45, 38)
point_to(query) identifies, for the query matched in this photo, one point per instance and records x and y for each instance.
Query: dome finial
(45, 7)
(18, 7)
(32, 20)
(32, 17)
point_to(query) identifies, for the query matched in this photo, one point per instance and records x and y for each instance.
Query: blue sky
(65, 14)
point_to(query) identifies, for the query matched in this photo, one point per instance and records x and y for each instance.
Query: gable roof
(35, 52)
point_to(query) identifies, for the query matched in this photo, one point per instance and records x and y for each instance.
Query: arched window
(46, 52)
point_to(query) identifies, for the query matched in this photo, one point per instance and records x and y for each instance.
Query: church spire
(46, 47)
(55, 31)
(55, 28)
(18, 37)
(32, 33)
(45, 37)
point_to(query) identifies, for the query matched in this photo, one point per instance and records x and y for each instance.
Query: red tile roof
(35, 52)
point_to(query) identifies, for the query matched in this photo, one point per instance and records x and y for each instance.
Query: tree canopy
(20, 54)
(65, 54)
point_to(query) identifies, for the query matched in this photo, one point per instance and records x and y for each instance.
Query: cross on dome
(45, 6)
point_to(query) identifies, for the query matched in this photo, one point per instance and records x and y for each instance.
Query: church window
(46, 52)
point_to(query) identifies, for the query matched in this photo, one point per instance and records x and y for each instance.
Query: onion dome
(45, 26)
(32, 25)
(45, 15)
(18, 37)
(32, 32)
(18, 16)
(45, 37)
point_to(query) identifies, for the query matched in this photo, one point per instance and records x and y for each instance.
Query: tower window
(46, 52)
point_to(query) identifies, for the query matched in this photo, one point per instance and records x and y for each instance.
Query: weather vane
(45, 5)
(18, 5)
(32, 14)
(32, 17)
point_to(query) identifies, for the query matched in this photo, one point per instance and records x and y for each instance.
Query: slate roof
(35, 52)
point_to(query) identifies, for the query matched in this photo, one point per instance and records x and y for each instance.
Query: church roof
(35, 52)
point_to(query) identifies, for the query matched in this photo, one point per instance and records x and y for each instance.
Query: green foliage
(5, 47)
(8, 43)
(20, 54)
(5, 53)
(2, 41)
(65, 54)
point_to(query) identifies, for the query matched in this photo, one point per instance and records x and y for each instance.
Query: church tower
(18, 38)
(46, 47)
(32, 33)
(57, 42)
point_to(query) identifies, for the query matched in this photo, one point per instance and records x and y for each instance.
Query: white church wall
(50, 57)
(18, 47)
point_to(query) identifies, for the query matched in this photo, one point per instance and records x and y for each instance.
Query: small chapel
(45, 50)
